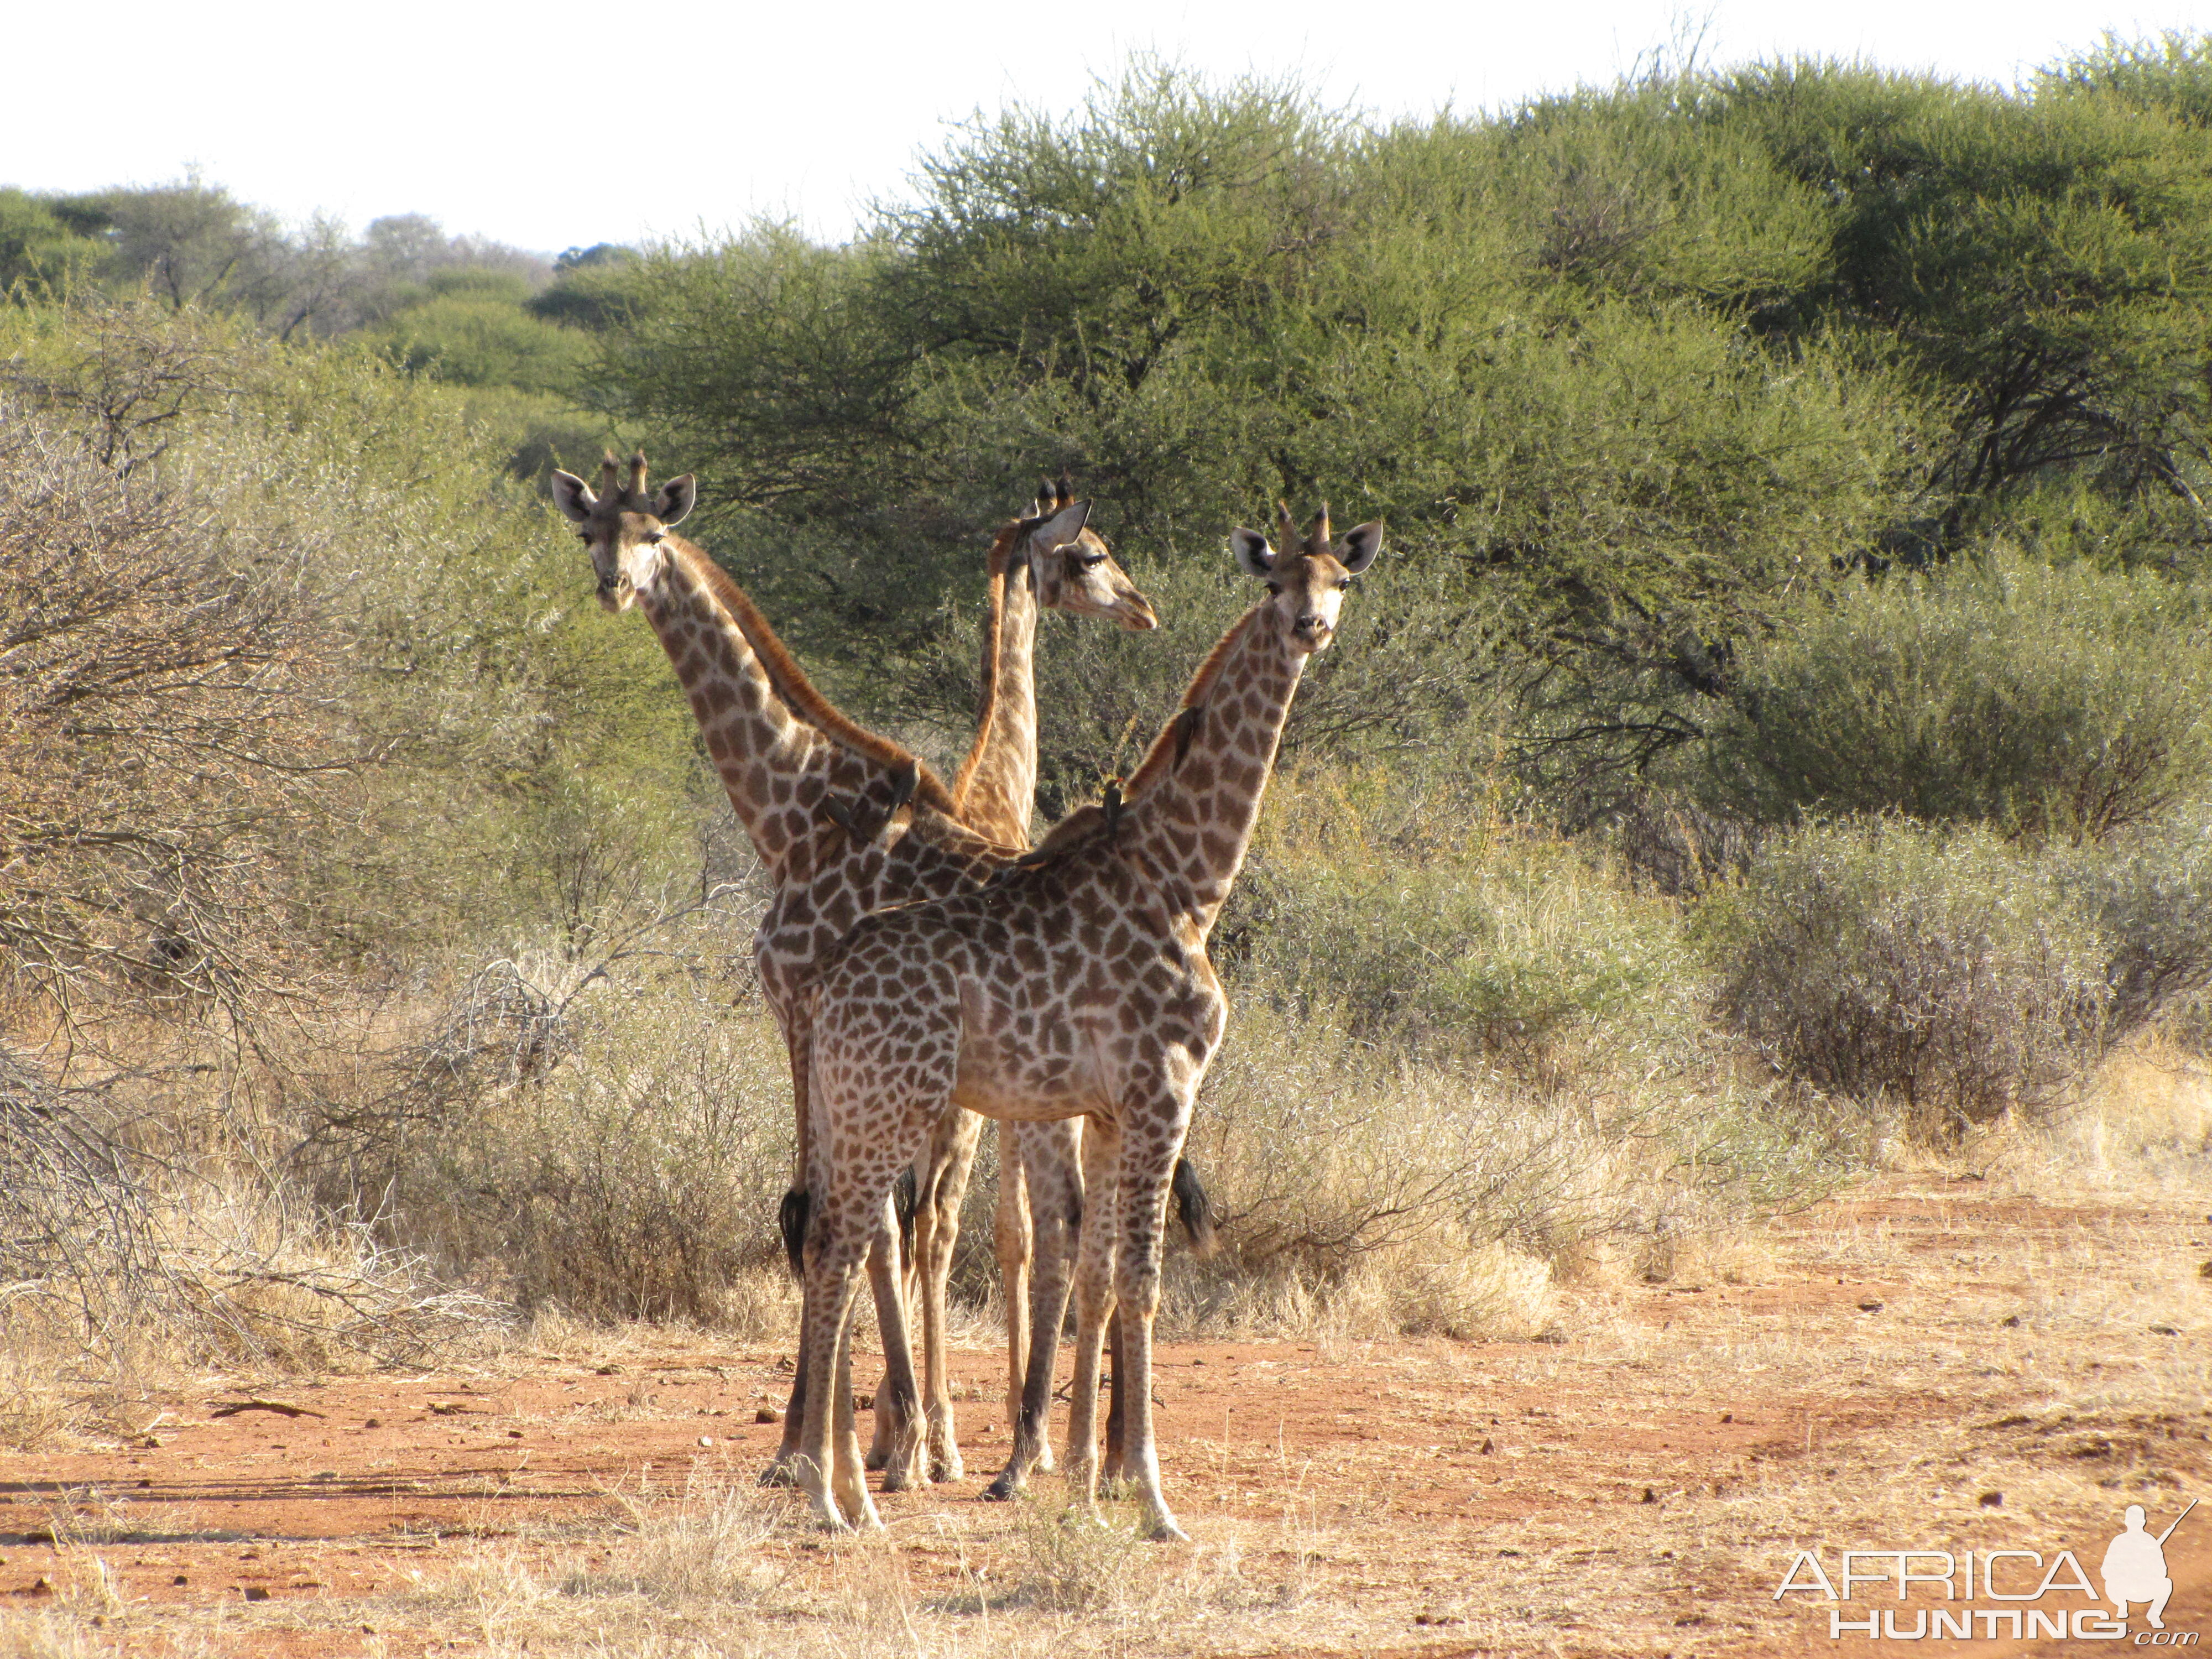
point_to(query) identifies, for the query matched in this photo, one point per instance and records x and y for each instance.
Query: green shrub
(2067, 702)
(1941, 973)
(2150, 892)
(1426, 926)
(480, 335)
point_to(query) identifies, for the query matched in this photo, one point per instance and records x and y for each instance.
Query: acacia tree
(163, 746)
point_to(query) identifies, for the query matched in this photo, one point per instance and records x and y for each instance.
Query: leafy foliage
(2045, 702)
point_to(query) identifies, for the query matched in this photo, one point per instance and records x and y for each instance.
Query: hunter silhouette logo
(1950, 1583)
(2135, 1567)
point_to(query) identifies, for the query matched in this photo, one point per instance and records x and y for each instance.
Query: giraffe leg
(1150, 1143)
(1094, 1298)
(849, 1479)
(897, 1430)
(1010, 1238)
(782, 1469)
(1113, 1475)
(898, 1402)
(1054, 1183)
(951, 1155)
(834, 1249)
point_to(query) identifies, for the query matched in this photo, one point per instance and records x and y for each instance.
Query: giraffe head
(1069, 563)
(1309, 578)
(622, 527)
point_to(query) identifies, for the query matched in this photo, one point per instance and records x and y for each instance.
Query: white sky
(559, 124)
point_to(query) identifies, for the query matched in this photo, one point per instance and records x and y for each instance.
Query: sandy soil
(1931, 1363)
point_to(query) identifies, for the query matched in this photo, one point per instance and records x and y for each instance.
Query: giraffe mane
(1165, 751)
(1002, 548)
(798, 692)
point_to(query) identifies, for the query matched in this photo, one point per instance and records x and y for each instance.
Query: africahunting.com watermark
(1999, 1595)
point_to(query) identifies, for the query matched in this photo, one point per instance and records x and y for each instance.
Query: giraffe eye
(653, 537)
(1343, 584)
(1274, 587)
(1091, 561)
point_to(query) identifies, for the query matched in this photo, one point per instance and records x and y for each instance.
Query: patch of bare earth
(1928, 1363)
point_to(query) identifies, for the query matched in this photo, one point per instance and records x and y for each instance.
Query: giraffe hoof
(781, 1473)
(1004, 1489)
(902, 1475)
(1166, 1532)
(942, 1469)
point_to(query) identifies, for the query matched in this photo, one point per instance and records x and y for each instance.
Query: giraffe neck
(760, 750)
(997, 783)
(1193, 818)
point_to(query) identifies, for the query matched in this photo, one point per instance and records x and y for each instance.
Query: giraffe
(1076, 984)
(844, 821)
(994, 792)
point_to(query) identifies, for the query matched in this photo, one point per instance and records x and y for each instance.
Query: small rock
(257, 1593)
(2010, 1321)
(1650, 1497)
(372, 1423)
(2164, 1330)
(1870, 1307)
(1728, 1417)
(1992, 1500)
(180, 1579)
(43, 1587)
(768, 1414)
(514, 1434)
(706, 1439)
(610, 1370)
(1487, 1448)
(864, 1402)
(2205, 1272)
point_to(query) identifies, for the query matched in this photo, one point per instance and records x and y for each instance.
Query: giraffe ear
(674, 500)
(1253, 557)
(1360, 546)
(1065, 526)
(572, 496)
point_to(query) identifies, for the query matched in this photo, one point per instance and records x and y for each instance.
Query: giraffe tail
(791, 1219)
(906, 1200)
(1195, 1210)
